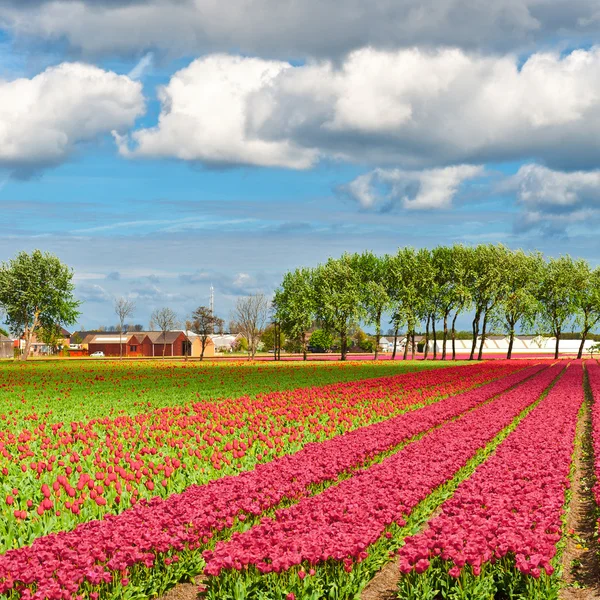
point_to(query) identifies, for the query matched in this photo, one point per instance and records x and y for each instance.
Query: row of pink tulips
(155, 534)
(593, 372)
(318, 544)
(498, 534)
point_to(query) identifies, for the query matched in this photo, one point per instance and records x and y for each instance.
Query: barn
(6, 347)
(110, 344)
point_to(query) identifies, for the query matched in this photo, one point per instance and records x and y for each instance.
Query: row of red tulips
(57, 475)
(593, 372)
(497, 536)
(110, 556)
(324, 544)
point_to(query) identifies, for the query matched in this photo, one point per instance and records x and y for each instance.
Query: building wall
(209, 351)
(6, 349)
(114, 349)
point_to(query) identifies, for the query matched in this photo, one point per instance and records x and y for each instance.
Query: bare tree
(204, 324)
(166, 320)
(251, 314)
(123, 309)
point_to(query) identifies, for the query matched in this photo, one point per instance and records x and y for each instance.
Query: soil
(183, 591)
(581, 563)
(384, 585)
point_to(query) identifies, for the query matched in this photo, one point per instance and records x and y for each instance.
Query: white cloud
(429, 189)
(414, 108)
(44, 118)
(425, 108)
(204, 115)
(555, 200)
(297, 28)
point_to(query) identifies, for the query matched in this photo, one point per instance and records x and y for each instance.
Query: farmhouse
(110, 344)
(148, 343)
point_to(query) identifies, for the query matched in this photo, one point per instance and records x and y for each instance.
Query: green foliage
(241, 345)
(51, 336)
(268, 338)
(294, 305)
(337, 286)
(321, 340)
(36, 291)
(507, 290)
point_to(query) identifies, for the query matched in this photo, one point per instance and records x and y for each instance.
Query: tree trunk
(343, 342)
(407, 343)
(445, 339)
(377, 335)
(557, 344)
(584, 335)
(475, 334)
(203, 344)
(304, 346)
(454, 335)
(434, 338)
(395, 342)
(413, 344)
(483, 330)
(426, 340)
(121, 343)
(28, 340)
(510, 343)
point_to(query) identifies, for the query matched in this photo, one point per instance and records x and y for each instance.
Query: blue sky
(160, 147)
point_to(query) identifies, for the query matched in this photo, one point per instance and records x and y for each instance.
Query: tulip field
(289, 481)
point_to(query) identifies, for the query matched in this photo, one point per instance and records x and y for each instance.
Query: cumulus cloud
(413, 108)
(430, 189)
(43, 119)
(204, 117)
(297, 28)
(555, 200)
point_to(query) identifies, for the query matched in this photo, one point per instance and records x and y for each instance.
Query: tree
(448, 289)
(294, 305)
(484, 280)
(321, 340)
(460, 269)
(519, 301)
(123, 309)
(269, 338)
(251, 313)
(165, 320)
(375, 290)
(51, 336)
(588, 301)
(36, 291)
(337, 297)
(561, 284)
(204, 323)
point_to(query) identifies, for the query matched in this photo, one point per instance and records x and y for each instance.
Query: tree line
(504, 290)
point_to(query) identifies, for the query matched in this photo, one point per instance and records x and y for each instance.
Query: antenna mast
(212, 299)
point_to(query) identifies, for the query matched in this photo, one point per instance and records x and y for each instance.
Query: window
(132, 348)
